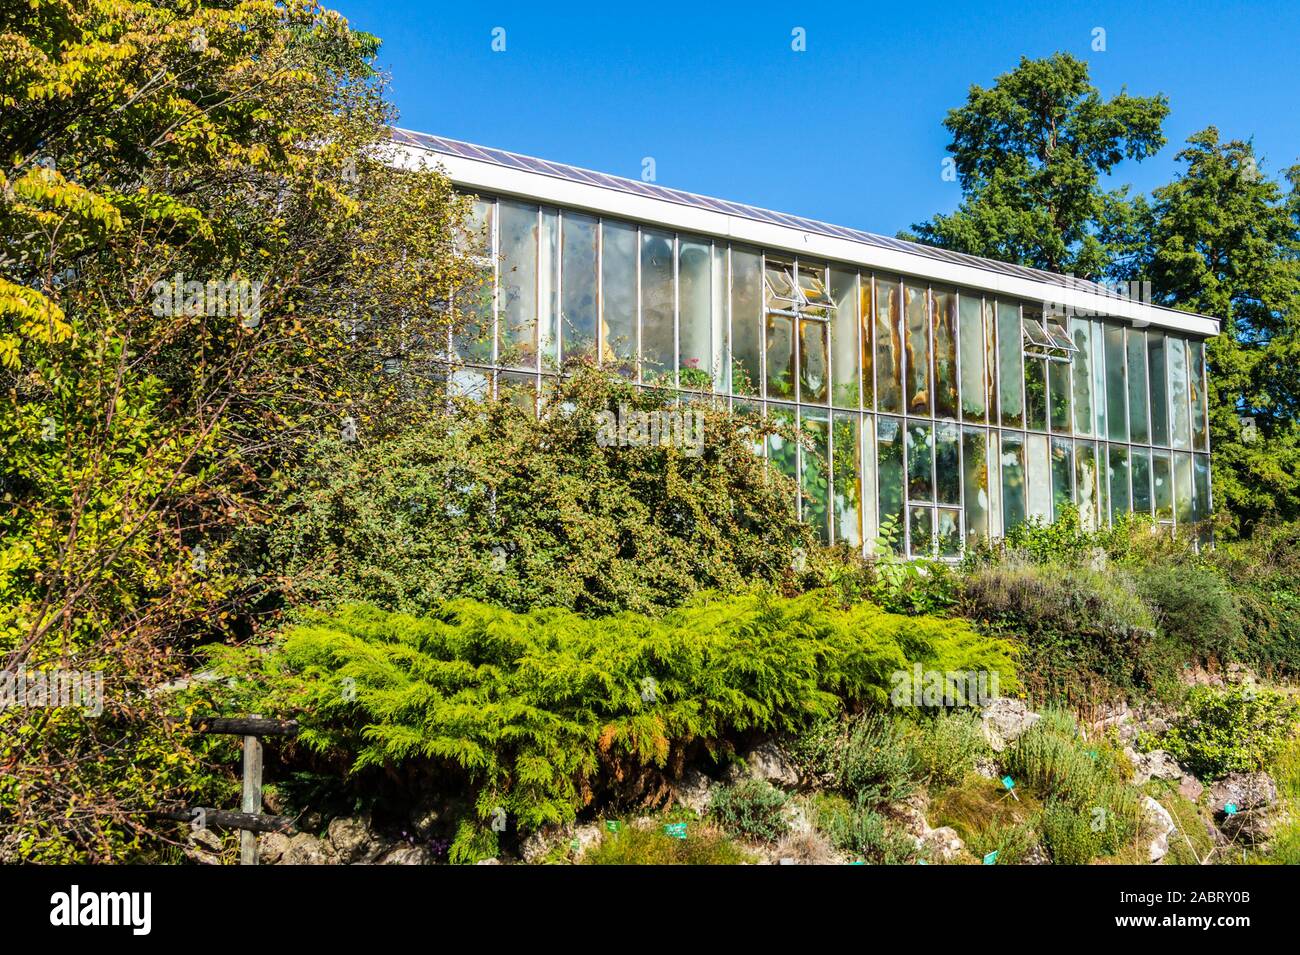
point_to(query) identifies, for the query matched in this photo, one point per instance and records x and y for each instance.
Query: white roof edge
(503, 180)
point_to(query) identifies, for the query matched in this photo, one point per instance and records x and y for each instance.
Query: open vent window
(800, 291)
(1047, 338)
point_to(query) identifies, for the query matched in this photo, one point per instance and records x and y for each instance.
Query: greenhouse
(943, 398)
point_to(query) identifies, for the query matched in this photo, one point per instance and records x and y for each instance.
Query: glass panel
(746, 321)
(1011, 375)
(519, 389)
(995, 482)
(947, 464)
(922, 532)
(813, 373)
(1085, 483)
(780, 356)
(918, 351)
(944, 313)
(975, 478)
(868, 352)
(1116, 384)
(518, 342)
(782, 453)
(1099, 381)
(548, 290)
(844, 339)
(1058, 381)
(1139, 432)
(1201, 486)
(472, 336)
(974, 397)
(1162, 484)
(1159, 388)
(698, 350)
(948, 532)
(1120, 502)
(889, 346)
(778, 276)
(750, 414)
(991, 373)
(920, 462)
(657, 307)
(1081, 329)
(847, 481)
(815, 478)
(721, 369)
(1034, 332)
(870, 526)
(618, 296)
(578, 284)
(1036, 393)
(1062, 476)
(890, 476)
(1013, 480)
(1183, 488)
(1038, 478)
(1140, 463)
(1176, 350)
(1196, 380)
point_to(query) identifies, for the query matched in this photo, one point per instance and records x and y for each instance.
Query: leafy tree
(1029, 153)
(1223, 239)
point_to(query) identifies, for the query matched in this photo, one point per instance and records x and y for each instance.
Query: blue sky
(847, 131)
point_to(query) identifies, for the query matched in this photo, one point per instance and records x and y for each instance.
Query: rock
(910, 818)
(424, 819)
(1252, 826)
(1245, 791)
(306, 849)
(693, 791)
(796, 819)
(985, 767)
(942, 844)
(488, 862)
(538, 843)
(271, 847)
(1004, 720)
(806, 848)
(587, 837)
(353, 840)
(769, 762)
(1037, 855)
(645, 823)
(1157, 816)
(407, 855)
(203, 846)
(1156, 764)
(1190, 788)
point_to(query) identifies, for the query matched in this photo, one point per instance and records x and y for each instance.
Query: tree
(1029, 154)
(204, 259)
(1223, 239)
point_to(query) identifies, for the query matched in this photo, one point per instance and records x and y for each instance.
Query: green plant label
(676, 830)
(613, 825)
(1008, 782)
(991, 858)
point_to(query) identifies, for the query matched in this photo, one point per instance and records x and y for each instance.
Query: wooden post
(252, 797)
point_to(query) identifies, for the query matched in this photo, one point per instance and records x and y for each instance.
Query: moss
(630, 845)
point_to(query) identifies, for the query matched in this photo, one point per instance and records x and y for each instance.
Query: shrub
(946, 746)
(752, 807)
(632, 845)
(1264, 573)
(542, 712)
(1193, 605)
(988, 819)
(858, 829)
(1223, 731)
(866, 756)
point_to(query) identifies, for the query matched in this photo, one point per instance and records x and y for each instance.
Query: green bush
(1264, 573)
(946, 746)
(1194, 607)
(866, 756)
(752, 807)
(543, 712)
(858, 829)
(631, 845)
(1221, 731)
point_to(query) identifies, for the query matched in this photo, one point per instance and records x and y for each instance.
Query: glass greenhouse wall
(933, 415)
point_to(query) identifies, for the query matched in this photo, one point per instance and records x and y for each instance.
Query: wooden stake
(252, 798)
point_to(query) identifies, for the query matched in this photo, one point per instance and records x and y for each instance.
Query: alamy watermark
(1135, 291)
(921, 687)
(667, 427)
(227, 298)
(52, 689)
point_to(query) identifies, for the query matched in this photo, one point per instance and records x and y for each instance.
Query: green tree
(1029, 153)
(1223, 239)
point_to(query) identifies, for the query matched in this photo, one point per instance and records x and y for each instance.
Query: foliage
(988, 820)
(752, 807)
(1235, 730)
(631, 845)
(1263, 572)
(946, 746)
(1030, 153)
(1194, 606)
(857, 828)
(866, 756)
(546, 711)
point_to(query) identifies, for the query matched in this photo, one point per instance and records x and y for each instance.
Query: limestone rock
(353, 840)
(407, 855)
(693, 791)
(770, 762)
(203, 846)
(1190, 788)
(271, 847)
(538, 843)
(1003, 720)
(1162, 825)
(1156, 764)
(942, 844)
(306, 849)
(1244, 791)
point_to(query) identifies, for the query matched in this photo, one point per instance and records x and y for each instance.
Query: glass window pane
(1062, 476)
(472, 336)
(922, 532)
(1036, 393)
(944, 314)
(866, 324)
(889, 475)
(518, 343)
(746, 321)
(1011, 375)
(1201, 486)
(1176, 355)
(1196, 380)
(974, 397)
(578, 284)
(1038, 478)
(699, 347)
(1140, 464)
(1058, 389)
(1183, 488)
(947, 464)
(1081, 330)
(813, 373)
(1013, 480)
(1119, 489)
(918, 350)
(995, 482)
(780, 356)
(948, 532)
(1139, 432)
(844, 339)
(657, 307)
(1159, 388)
(721, 330)
(920, 462)
(548, 290)
(889, 346)
(1085, 483)
(847, 480)
(618, 255)
(783, 453)
(1099, 382)
(870, 526)
(975, 479)
(1116, 384)
(1162, 484)
(815, 482)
